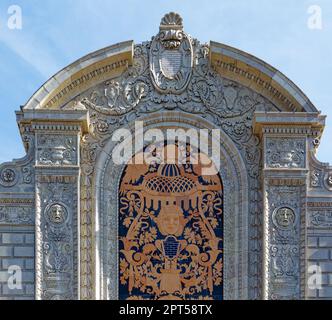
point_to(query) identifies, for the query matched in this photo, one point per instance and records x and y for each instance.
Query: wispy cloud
(31, 50)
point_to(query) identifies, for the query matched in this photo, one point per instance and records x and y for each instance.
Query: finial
(171, 20)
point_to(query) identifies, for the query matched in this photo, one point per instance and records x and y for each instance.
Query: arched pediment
(173, 69)
(84, 73)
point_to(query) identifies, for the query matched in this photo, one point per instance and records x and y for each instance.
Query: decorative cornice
(86, 78)
(265, 85)
(54, 120)
(80, 75)
(289, 123)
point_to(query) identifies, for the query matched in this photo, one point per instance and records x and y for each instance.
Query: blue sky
(56, 33)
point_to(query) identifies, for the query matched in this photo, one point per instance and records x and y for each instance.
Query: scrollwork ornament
(328, 181)
(27, 174)
(315, 178)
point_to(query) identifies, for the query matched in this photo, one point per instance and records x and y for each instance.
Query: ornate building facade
(78, 225)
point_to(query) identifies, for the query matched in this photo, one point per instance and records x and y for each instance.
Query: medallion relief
(8, 177)
(328, 181)
(284, 218)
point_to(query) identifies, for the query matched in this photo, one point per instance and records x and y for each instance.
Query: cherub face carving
(171, 221)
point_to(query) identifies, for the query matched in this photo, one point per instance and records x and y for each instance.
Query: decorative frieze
(282, 152)
(16, 215)
(320, 218)
(57, 150)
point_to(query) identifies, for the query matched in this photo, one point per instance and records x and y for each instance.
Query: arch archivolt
(236, 207)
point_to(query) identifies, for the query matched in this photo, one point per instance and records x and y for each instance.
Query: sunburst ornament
(171, 19)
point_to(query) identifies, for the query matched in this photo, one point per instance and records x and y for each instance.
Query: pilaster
(286, 139)
(57, 175)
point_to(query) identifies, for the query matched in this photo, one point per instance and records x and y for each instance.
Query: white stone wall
(17, 248)
(319, 253)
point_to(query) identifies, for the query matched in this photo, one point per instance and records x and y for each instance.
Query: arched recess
(233, 174)
(170, 226)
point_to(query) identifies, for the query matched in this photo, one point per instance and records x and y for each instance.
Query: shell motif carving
(171, 56)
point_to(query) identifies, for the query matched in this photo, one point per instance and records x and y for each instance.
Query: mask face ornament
(284, 218)
(57, 214)
(171, 233)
